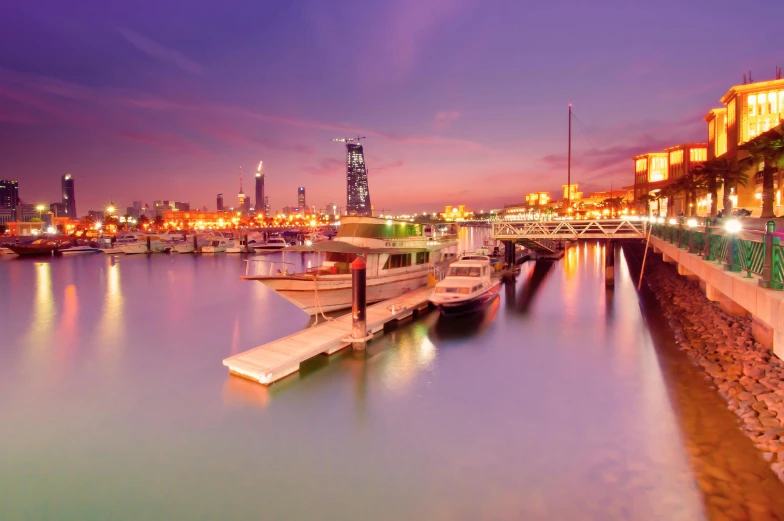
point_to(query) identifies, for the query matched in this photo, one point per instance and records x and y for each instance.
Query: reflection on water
(556, 403)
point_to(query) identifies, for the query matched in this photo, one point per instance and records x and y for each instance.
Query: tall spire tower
(241, 199)
(260, 209)
(357, 191)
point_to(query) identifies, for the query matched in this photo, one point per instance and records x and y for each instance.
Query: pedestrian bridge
(539, 231)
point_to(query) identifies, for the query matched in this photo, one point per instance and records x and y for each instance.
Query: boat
(400, 256)
(6, 251)
(274, 243)
(80, 247)
(40, 246)
(217, 244)
(188, 246)
(315, 237)
(144, 244)
(467, 287)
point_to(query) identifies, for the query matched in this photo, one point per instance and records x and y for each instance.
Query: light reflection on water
(551, 405)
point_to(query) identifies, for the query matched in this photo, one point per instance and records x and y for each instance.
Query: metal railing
(570, 229)
(753, 252)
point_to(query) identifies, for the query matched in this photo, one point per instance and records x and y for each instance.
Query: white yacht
(156, 245)
(467, 287)
(80, 248)
(121, 239)
(273, 243)
(399, 257)
(313, 238)
(217, 244)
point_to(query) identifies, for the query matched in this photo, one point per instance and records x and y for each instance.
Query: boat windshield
(462, 291)
(465, 271)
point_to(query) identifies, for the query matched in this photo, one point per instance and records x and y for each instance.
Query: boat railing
(262, 268)
(439, 272)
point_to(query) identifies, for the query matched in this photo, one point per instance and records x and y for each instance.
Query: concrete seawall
(736, 293)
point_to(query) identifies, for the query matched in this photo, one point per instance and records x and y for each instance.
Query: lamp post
(732, 227)
(40, 209)
(692, 223)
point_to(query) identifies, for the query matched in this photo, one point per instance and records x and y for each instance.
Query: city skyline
(462, 103)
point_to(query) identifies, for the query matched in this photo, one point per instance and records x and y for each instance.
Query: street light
(110, 210)
(40, 209)
(733, 227)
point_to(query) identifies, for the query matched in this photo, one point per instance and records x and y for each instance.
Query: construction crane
(348, 139)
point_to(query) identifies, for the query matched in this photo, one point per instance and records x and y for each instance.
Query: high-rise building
(357, 191)
(69, 199)
(220, 202)
(266, 205)
(9, 193)
(301, 197)
(260, 199)
(241, 201)
(58, 210)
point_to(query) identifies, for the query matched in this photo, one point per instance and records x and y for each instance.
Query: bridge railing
(570, 229)
(754, 252)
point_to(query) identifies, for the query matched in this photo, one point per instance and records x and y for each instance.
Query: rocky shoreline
(747, 375)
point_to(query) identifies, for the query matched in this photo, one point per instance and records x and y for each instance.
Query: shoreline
(748, 376)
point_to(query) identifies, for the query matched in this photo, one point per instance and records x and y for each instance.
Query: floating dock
(271, 362)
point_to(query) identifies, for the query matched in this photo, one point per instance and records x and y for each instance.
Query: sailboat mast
(569, 166)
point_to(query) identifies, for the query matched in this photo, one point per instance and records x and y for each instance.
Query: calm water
(559, 403)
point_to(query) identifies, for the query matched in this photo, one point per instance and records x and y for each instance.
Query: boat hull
(79, 251)
(333, 292)
(475, 304)
(31, 251)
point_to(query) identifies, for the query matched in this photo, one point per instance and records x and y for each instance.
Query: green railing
(764, 257)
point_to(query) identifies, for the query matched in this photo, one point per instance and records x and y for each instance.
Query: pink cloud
(445, 118)
(160, 52)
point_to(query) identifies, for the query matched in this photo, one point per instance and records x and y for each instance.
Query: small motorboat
(467, 287)
(274, 243)
(42, 246)
(6, 251)
(80, 248)
(312, 238)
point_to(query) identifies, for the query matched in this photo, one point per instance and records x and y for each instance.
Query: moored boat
(40, 246)
(216, 244)
(399, 256)
(467, 287)
(274, 243)
(80, 247)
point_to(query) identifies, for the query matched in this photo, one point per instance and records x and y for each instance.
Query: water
(558, 403)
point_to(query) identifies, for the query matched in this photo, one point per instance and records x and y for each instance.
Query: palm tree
(142, 220)
(768, 149)
(731, 174)
(158, 222)
(88, 221)
(708, 174)
(614, 204)
(690, 185)
(646, 199)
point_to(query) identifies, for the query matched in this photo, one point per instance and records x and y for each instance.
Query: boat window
(422, 257)
(465, 271)
(379, 230)
(462, 291)
(334, 256)
(398, 261)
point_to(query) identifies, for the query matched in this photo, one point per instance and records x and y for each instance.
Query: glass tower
(69, 200)
(301, 199)
(357, 192)
(260, 193)
(9, 194)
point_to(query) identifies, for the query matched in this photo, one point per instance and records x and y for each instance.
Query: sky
(459, 101)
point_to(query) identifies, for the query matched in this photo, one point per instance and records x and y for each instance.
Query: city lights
(733, 226)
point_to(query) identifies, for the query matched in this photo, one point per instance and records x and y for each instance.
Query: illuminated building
(261, 200)
(58, 209)
(242, 201)
(69, 197)
(456, 213)
(357, 191)
(190, 220)
(9, 194)
(570, 192)
(538, 198)
(301, 198)
(266, 205)
(220, 202)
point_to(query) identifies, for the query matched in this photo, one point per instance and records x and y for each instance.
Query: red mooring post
(359, 303)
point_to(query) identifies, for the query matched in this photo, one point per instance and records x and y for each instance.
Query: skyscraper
(69, 201)
(301, 199)
(266, 205)
(9, 194)
(357, 191)
(220, 202)
(260, 191)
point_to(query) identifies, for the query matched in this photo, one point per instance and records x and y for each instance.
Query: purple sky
(462, 102)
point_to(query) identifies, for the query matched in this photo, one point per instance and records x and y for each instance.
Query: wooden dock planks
(280, 358)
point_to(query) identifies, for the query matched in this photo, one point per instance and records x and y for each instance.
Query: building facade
(260, 197)
(357, 190)
(301, 197)
(68, 196)
(9, 194)
(655, 171)
(220, 202)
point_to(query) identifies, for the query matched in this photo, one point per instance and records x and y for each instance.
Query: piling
(359, 303)
(195, 244)
(247, 248)
(149, 247)
(509, 250)
(609, 263)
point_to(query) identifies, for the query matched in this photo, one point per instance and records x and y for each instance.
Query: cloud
(445, 118)
(159, 52)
